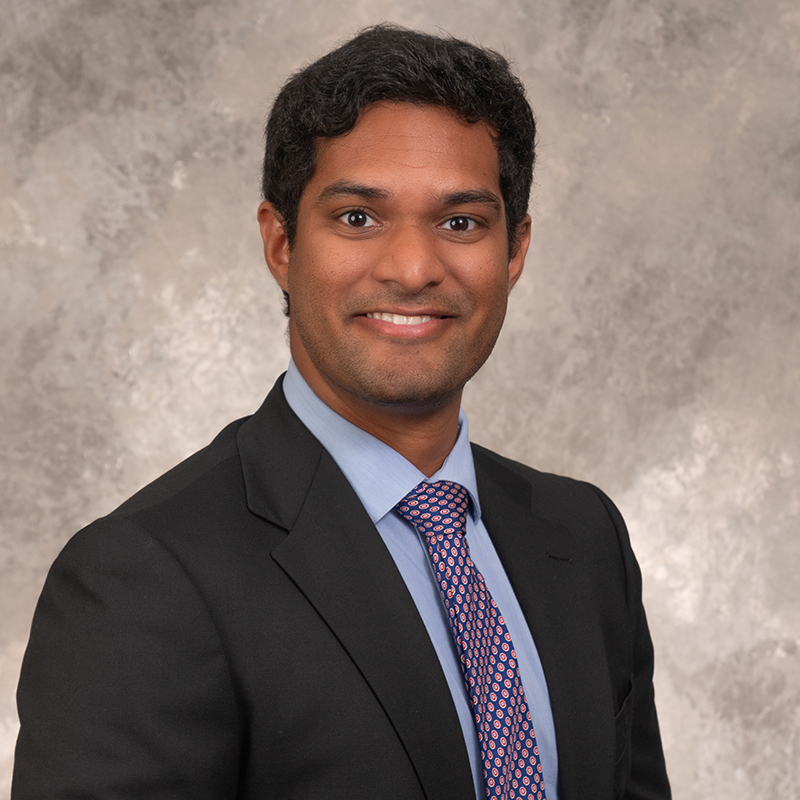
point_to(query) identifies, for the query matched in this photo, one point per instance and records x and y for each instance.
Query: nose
(410, 259)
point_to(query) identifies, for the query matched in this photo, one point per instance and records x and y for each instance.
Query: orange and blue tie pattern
(511, 765)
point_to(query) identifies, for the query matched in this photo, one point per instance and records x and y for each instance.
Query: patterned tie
(511, 767)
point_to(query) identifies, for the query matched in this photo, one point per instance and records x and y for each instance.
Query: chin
(407, 393)
(412, 401)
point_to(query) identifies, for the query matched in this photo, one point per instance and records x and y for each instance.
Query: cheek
(485, 280)
(318, 288)
(307, 272)
(338, 287)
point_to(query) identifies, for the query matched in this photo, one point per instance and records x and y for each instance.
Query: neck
(424, 439)
(423, 436)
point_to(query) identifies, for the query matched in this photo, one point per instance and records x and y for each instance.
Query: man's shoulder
(198, 502)
(546, 483)
(199, 469)
(250, 450)
(254, 471)
(495, 461)
(555, 497)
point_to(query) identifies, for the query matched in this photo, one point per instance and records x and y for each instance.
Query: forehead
(404, 146)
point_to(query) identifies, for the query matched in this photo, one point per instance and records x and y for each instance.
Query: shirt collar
(380, 476)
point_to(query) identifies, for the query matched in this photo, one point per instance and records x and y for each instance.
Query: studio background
(652, 345)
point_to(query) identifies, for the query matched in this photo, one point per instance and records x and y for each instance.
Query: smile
(398, 319)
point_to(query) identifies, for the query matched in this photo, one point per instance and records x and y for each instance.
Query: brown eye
(461, 224)
(357, 219)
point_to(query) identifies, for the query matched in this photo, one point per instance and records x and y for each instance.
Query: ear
(276, 244)
(517, 260)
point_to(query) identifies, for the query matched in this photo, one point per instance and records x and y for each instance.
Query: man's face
(399, 272)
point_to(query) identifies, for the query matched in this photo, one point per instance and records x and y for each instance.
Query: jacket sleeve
(124, 690)
(640, 772)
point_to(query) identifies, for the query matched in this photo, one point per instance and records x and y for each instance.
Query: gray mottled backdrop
(653, 345)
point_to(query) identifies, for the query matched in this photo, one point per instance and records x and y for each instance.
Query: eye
(461, 224)
(357, 219)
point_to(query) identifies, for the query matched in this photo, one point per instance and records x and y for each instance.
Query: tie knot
(436, 508)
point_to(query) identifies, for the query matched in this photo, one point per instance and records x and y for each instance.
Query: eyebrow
(343, 188)
(474, 196)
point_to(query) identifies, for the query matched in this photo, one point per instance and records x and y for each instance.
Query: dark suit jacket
(238, 630)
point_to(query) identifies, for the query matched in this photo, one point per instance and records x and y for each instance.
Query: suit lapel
(543, 564)
(336, 558)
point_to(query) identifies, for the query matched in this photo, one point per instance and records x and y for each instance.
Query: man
(295, 611)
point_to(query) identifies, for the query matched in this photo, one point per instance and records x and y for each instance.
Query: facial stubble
(415, 376)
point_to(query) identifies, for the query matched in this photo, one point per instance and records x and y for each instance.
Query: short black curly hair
(390, 63)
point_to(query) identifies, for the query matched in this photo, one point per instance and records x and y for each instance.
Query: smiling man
(398, 272)
(340, 596)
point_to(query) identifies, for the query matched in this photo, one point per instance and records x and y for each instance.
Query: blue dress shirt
(381, 477)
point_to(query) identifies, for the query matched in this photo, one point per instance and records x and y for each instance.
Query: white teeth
(398, 319)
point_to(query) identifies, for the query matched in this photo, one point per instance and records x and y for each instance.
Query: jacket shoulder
(192, 470)
(555, 497)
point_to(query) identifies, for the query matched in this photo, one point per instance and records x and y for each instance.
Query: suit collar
(336, 558)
